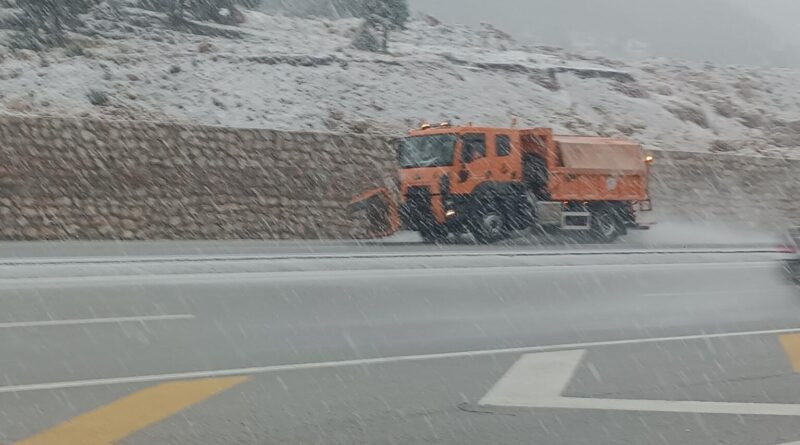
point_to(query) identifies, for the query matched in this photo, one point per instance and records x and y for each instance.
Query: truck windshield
(426, 151)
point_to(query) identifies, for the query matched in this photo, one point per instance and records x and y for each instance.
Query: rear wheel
(605, 227)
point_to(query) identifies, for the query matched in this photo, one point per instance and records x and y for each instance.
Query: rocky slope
(293, 73)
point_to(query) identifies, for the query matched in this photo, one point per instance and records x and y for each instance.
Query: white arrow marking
(538, 380)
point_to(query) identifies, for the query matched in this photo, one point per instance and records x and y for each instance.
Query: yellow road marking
(791, 344)
(110, 423)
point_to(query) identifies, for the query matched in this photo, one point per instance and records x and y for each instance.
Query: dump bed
(592, 153)
(597, 168)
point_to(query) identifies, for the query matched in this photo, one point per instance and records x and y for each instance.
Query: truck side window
(502, 144)
(473, 148)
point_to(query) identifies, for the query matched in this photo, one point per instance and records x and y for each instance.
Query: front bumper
(417, 211)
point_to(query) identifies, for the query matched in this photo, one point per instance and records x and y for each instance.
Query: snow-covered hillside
(293, 73)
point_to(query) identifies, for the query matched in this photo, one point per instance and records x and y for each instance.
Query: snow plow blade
(383, 218)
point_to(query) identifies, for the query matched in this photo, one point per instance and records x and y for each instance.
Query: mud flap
(646, 205)
(381, 212)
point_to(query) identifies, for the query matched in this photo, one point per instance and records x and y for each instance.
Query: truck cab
(443, 170)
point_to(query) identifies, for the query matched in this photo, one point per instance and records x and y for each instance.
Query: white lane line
(85, 321)
(224, 277)
(368, 361)
(537, 377)
(760, 291)
(539, 380)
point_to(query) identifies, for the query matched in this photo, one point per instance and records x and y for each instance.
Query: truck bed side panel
(567, 185)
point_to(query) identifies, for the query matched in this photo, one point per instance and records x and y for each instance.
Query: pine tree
(47, 20)
(393, 13)
(176, 9)
(380, 17)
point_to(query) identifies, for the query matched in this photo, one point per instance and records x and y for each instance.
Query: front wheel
(792, 269)
(489, 224)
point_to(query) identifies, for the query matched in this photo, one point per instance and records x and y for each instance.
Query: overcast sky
(782, 15)
(723, 31)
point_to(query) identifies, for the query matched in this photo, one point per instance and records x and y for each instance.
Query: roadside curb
(356, 256)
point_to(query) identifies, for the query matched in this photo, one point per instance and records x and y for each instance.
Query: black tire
(531, 216)
(489, 223)
(434, 235)
(792, 269)
(605, 226)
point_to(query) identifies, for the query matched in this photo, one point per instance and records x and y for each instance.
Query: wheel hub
(606, 225)
(492, 224)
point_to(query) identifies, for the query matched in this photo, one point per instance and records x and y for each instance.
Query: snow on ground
(294, 73)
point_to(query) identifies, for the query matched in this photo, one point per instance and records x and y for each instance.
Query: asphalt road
(663, 235)
(401, 348)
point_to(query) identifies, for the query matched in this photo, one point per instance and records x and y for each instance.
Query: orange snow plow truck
(492, 181)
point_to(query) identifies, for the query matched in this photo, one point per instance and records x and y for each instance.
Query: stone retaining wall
(92, 179)
(734, 190)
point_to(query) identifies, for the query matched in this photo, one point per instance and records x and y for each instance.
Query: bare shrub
(98, 98)
(691, 114)
(720, 146)
(630, 89)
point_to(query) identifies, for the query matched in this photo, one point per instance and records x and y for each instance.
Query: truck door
(474, 164)
(507, 159)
